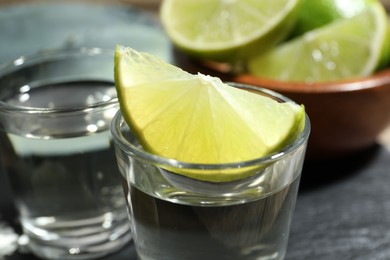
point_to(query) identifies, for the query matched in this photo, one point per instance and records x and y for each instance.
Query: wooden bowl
(346, 116)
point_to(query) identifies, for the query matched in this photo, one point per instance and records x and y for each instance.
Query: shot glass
(176, 217)
(57, 151)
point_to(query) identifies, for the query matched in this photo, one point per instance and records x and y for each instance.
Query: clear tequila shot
(179, 217)
(55, 112)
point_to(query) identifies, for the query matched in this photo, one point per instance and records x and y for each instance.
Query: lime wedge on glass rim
(344, 49)
(227, 30)
(198, 118)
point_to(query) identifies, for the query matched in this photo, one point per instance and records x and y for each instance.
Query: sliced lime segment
(197, 118)
(344, 49)
(227, 30)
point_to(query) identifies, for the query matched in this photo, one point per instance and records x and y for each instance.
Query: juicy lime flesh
(193, 122)
(197, 118)
(220, 29)
(344, 49)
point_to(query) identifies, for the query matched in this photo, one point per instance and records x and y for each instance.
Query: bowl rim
(378, 79)
(356, 84)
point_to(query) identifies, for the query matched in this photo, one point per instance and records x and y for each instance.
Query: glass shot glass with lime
(210, 170)
(56, 149)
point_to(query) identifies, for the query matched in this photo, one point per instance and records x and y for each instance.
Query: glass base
(88, 246)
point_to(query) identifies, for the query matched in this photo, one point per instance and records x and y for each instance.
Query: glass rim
(132, 150)
(25, 61)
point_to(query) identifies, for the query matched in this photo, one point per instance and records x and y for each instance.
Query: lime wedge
(344, 49)
(198, 118)
(227, 30)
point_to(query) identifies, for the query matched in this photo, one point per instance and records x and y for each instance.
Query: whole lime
(313, 14)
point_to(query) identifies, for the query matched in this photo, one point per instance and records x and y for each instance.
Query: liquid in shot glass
(179, 217)
(56, 149)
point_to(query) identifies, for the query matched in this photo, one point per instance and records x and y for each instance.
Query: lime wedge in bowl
(198, 118)
(227, 30)
(347, 48)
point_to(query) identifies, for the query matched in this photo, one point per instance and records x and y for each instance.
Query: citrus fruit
(198, 118)
(313, 14)
(227, 30)
(344, 49)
